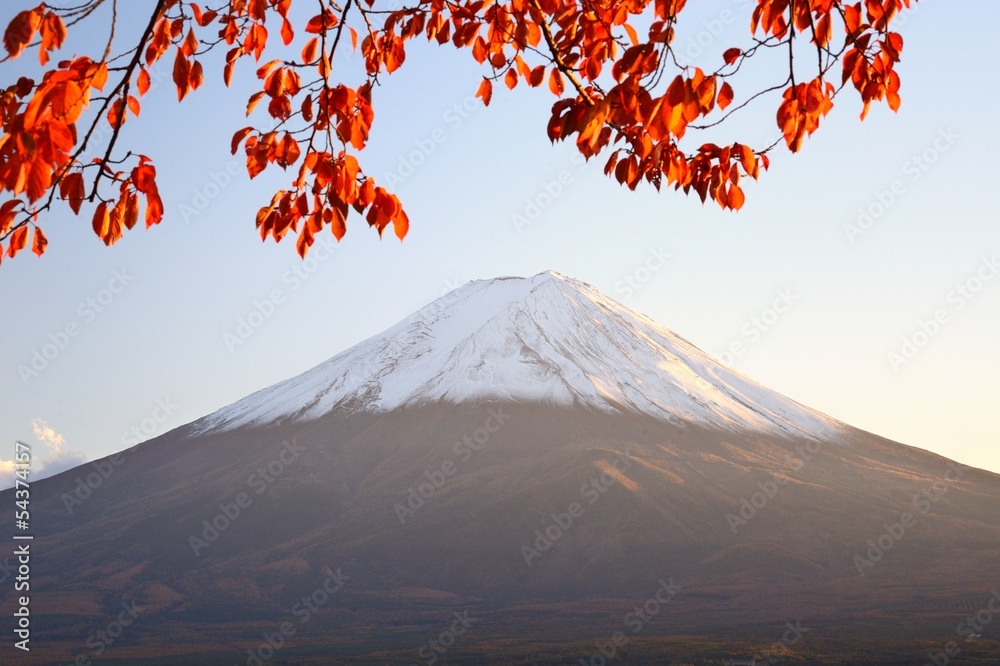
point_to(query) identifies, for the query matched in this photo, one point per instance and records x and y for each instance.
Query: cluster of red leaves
(41, 147)
(613, 95)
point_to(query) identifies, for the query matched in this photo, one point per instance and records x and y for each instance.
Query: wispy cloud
(49, 455)
(46, 435)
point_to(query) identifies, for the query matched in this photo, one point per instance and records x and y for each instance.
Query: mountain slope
(546, 339)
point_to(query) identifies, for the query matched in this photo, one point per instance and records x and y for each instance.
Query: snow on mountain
(547, 339)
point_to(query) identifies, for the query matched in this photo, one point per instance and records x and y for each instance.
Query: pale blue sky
(190, 281)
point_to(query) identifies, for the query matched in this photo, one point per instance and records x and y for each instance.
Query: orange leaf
(304, 242)
(338, 225)
(736, 197)
(732, 55)
(485, 91)
(258, 9)
(18, 239)
(238, 138)
(725, 95)
(555, 82)
(537, 76)
(310, 50)
(154, 208)
(196, 76)
(190, 44)
(53, 34)
(286, 32)
(102, 219)
(142, 83)
(131, 210)
(182, 73)
(20, 31)
(116, 113)
(633, 37)
(39, 242)
(7, 215)
(71, 189)
(254, 99)
(401, 225)
(39, 179)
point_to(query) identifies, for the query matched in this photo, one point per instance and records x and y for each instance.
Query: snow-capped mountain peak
(544, 339)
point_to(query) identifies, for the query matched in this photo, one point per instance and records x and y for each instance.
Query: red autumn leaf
(304, 242)
(142, 82)
(131, 210)
(195, 76)
(310, 50)
(39, 242)
(555, 82)
(257, 9)
(182, 72)
(53, 32)
(537, 76)
(643, 112)
(485, 91)
(71, 188)
(190, 44)
(725, 97)
(736, 197)
(18, 239)
(101, 219)
(20, 32)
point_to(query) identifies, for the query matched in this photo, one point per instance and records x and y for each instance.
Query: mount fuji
(523, 471)
(544, 340)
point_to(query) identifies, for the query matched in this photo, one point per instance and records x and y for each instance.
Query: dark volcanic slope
(648, 501)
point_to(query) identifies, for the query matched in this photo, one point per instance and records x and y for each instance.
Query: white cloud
(48, 456)
(6, 473)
